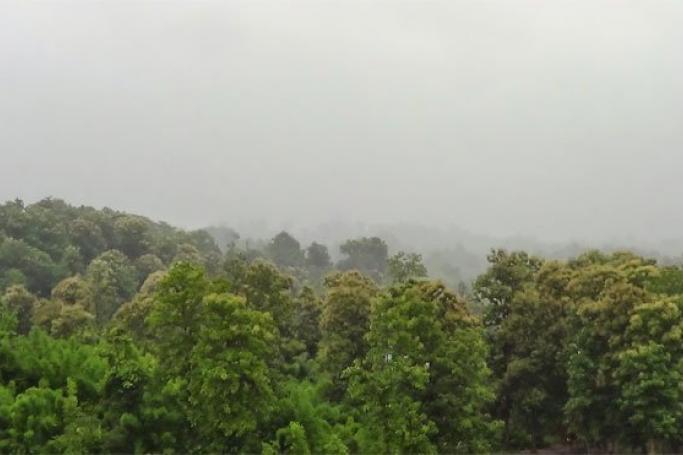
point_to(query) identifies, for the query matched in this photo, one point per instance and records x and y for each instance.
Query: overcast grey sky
(560, 119)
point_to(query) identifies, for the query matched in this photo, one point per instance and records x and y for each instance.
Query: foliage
(285, 250)
(367, 255)
(404, 266)
(22, 303)
(113, 281)
(344, 321)
(230, 391)
(221, 352)
(423, 385)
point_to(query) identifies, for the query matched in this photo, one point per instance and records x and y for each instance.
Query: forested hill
(42, 243)
(122, 335)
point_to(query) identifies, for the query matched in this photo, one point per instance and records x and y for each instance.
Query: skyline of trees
(118, 334)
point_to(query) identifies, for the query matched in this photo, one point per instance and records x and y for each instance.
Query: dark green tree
(404, 266)
(367, 254)
(285, 251)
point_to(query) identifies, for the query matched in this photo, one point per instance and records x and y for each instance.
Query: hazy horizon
(557, 121)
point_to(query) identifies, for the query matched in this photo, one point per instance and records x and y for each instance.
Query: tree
(387, 384)
(510, 319)
(81, 430)
(532, 389)
(230, 364)
(404, 266)
(132, 315)
(344, 322)
(22, 303)
(176, 316)
(73, 291)
(129, 377)
(235, 267)
(366, 254)
(668, 281)
(423, 384)
(113, 280)
(285, 250)
(43, 380)
(36, 267)
(306, 320)
(507, 274)
(71, 261)
(624, 356)
(460, 392)
(306, 421)
(131, 233)
(188, 253)
(88, 237)
(267, 289)
(32, 418)
(72, 319)
(67, 313)
(147, 264)
(318, 257)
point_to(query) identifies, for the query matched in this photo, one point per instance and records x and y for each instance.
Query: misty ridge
(450, 253)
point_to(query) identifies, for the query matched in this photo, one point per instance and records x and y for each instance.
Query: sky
(561, 120)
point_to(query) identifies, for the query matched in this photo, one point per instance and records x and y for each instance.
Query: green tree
(177, 314)
(285, 250)
(306, 421)
(88, 237)
(507, 274)
(306, 320)
(318, 257)
(230, 364)
(624, 357)
(32, 418)
(22, 303)
(131, 233)
(37, 268)
(512, 312)
(404, 266)
(188, 253)
(130, 375)
(423, 385)
(367, 254)
(147, 264)
(132, 315)
(73, 291)
(387, 385)
(113, 280)
(344, 322)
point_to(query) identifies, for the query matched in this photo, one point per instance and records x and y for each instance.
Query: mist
(558, 121)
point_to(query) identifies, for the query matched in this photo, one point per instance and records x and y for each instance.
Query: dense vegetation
(118, 334)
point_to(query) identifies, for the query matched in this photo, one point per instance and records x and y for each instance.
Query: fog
(559, 121)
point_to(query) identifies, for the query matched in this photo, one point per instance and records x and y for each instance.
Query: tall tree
(423, 385)
(230, 388)
(177, 314)
(318, 257)
(344, 322)
(285, 250)
(367, 254)
(113, 280)
(23, 304)
(404, 266)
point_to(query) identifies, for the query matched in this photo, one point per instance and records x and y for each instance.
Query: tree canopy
(123, 335)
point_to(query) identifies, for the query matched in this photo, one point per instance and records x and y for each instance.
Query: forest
(119, 334)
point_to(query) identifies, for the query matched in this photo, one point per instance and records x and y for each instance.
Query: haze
(559, 120)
